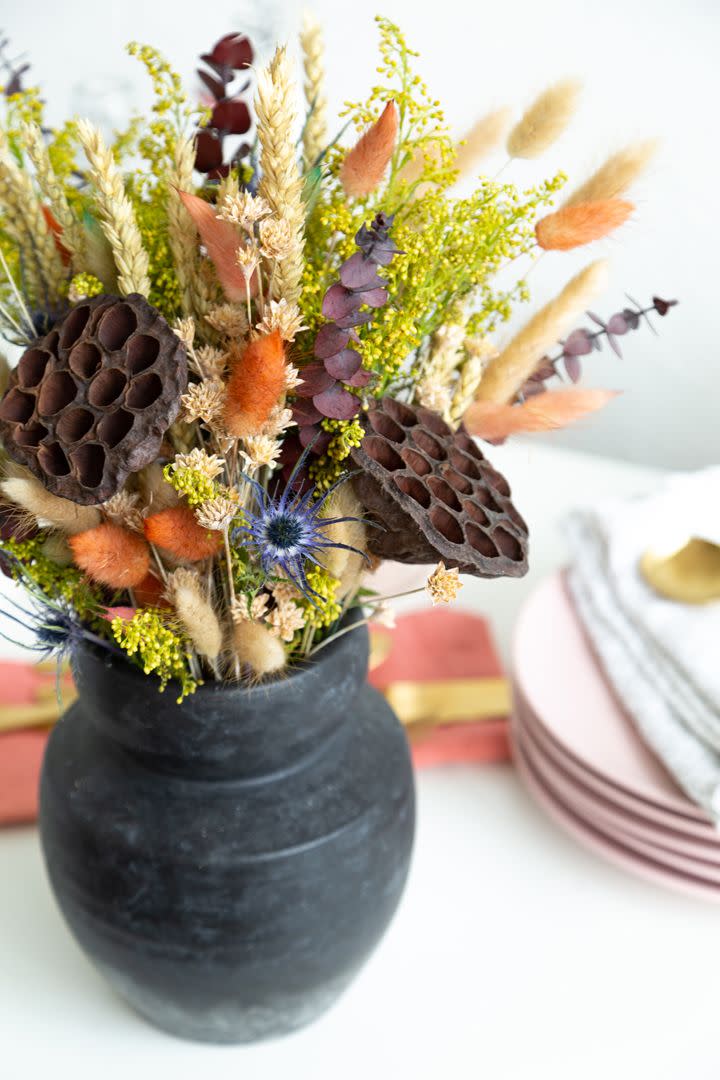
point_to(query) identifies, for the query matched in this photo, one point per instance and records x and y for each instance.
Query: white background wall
(649, 68)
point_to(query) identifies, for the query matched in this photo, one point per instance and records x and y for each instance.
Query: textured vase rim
(299, 674)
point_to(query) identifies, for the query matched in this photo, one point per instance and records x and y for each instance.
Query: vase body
(228, 863)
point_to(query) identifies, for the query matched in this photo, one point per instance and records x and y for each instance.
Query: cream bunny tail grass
(352, 532)
(258, 648)
(116, 213)
(507, 373)
(182, 234)
(73, 237)
(616, 175)
(281, 184)
(315, 135)
(483, 136)
(195, 613)
(545, 120)
(25, 224)
(48, 511)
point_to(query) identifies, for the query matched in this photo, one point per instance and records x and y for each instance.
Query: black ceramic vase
(229, 863)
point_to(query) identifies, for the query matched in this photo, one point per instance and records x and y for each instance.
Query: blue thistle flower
(287, 532)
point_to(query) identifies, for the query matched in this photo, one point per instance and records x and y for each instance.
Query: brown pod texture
(89, 403)
(435, 495)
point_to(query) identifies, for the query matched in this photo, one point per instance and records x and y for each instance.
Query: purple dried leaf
(343, 365)
(330, 340)
(578, 343)
(216, 88)
(314, 438)
(375, 298)
(357, 318)
(596, 319)
(234, 50)
(231, 116)
(614, 345)
(360, 378)
(337, 404)
(632, 318)
(358, 273)
(305, 413)
(339, 302)
(573, 367)
(617, 325)
(315, 379)
(208, 151)
(663, 306)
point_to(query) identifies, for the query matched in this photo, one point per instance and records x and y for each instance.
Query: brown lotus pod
(435, 495)
(89, 403)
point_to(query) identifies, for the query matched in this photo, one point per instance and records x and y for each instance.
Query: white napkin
(661, 656)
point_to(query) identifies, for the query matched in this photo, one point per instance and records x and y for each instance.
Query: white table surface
(515, 953)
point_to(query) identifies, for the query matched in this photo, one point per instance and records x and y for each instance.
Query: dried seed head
(124, 509)
(285, 620)
(283, 317)
(203, 401)
(261, 450)
(242, 208)
(208, 465)
(230, 320)
(443, 585)
(216, 514)
(244, 609)
(277, 239)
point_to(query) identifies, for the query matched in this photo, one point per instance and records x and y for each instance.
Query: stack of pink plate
(582, 760)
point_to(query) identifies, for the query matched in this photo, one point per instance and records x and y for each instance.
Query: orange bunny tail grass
(544, 412)
(176, 530)
(365, 165)
(257, 382)
(111, 555)
(581, 223)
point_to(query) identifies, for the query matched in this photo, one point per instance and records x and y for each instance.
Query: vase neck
(225, 730)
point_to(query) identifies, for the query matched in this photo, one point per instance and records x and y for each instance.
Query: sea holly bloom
(286, 533)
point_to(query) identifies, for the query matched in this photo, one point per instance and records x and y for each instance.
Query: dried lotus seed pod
(89, 403)
(435, 495)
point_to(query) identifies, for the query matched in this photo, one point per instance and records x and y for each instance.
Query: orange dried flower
(177, 531)
(581, 223)
(256, 385)
(364, 167)
(112, 555)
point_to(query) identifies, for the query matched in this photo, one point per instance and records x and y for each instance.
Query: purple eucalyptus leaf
(315, 379)
(358, 318)
(209, 151)
(663, 306)
(231, 116)
(614, 345)
(573, 368)
(336, 403)
(375, 298)
(358, 273)
(315, 438)
(632, 318)
(330, 340)
(577, 344)
(304, 413)
(596, 319)
(344, 364)
(617, 325)
(339, 302)
(360, 378)
(216, 88)
(234, 50)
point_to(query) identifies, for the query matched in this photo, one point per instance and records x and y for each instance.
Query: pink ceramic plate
(667, 848)
(666, 820)
(562, 683)
(613, 850)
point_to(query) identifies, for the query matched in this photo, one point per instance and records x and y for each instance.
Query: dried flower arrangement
(249, 373)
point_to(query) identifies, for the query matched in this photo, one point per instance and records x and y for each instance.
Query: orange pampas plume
(177, 531)
(544, 412)
(256, 385)
(581, 223)
(364, 167)
(111, 555)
